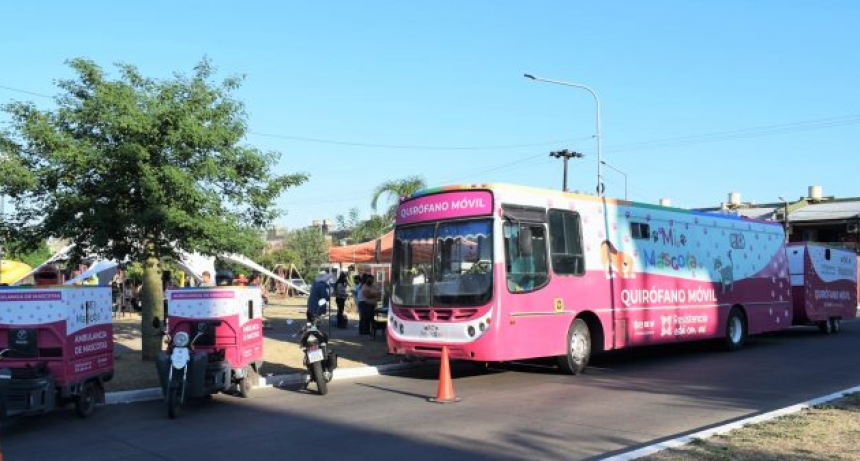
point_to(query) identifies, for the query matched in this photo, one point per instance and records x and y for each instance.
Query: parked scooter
(320, 361)
(181, 346)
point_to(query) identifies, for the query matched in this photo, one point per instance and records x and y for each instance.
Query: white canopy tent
(56, 257)
(239, 259)
(104, 270)
(194, 264)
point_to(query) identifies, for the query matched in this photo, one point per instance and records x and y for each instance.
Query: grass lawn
(829, 432)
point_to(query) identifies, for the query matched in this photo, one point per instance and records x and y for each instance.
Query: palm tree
(372, 229)
(397, 188)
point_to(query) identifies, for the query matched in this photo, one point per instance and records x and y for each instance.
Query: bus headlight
(471, 331)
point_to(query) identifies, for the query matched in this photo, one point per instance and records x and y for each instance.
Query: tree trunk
(151, 296)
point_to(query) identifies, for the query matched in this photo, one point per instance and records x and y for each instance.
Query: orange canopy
(374, 251)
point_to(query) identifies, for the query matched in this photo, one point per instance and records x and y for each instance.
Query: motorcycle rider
(319, 291)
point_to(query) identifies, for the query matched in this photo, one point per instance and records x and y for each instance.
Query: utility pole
(566, 155)
(2, 223)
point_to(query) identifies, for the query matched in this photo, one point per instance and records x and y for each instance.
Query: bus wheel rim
(577, 346)
(735, 328)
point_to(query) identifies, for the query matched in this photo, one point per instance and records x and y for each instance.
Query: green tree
(372, 229)
(137, 167)
(310, 249)
(394, 190)
(349, 221)
(27, 256)
(278, 256)
(361, 231)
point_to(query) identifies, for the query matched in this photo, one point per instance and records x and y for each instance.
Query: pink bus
(502, 272)
(823, 285)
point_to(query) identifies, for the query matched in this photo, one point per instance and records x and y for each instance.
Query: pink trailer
(823, 285)
(502, 272)
(57, 348)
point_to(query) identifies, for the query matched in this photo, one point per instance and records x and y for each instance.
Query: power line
(740, 134)
(18, 90)
(412, 146)
(680, 141)
(351, 196)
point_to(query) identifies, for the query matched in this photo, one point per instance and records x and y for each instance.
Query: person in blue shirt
(319, 291)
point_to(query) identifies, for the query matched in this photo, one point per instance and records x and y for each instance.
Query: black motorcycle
(320, 360)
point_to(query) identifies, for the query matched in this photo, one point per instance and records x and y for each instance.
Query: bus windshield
(445, 264)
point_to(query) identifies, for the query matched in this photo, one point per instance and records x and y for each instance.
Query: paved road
(519, 412)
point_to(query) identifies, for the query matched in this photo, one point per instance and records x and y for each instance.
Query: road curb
(725, 428)
(154, 393)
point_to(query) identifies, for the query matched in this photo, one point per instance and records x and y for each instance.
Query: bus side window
(566, 243)
(525, 257)
(640, 231)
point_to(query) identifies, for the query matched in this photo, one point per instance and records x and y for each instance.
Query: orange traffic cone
(446, 387)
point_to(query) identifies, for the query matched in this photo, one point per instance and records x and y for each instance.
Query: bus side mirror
(165, 309)
(250, 309)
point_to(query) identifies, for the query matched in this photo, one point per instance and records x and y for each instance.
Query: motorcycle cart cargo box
(823, 284)
(57, 348)
(225, 325)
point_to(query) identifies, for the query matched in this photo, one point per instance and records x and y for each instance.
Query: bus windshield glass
(445, 264)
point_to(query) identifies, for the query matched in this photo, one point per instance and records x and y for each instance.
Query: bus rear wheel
(736, 330)
(578, 349)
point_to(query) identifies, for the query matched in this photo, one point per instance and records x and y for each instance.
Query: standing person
(369, 299)
(341, 292)
(128, 296)
(358, 280)
(257, 281)
(319, 291)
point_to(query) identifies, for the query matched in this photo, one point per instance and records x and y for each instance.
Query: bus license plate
(315, 356)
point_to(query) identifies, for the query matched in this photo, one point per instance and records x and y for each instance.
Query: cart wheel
(174, 401)
(85, 403)
(247, 383)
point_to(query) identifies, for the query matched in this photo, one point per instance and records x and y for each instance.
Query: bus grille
(436, 314)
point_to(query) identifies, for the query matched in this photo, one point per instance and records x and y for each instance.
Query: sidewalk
(280, 350)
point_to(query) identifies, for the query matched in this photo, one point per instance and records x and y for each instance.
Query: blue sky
(757, 97)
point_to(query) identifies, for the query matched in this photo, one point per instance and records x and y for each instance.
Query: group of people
(365, 292)
(130, 292)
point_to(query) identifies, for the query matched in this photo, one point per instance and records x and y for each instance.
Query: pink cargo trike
(56, 347)
(215, 343)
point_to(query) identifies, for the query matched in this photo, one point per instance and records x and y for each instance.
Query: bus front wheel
(736, 330)
(578, 349)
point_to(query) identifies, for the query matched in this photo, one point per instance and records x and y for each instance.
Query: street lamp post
(2, 214)
(598, 135)
(619, 172)
(566, 155)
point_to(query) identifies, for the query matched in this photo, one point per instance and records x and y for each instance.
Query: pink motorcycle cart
(215, 343)
(56, 348)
